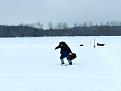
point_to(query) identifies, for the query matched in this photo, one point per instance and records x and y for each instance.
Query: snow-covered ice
(32, 64)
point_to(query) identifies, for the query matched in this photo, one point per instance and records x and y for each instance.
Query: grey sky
(70, 11)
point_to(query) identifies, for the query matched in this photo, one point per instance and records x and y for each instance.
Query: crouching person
(65, 51)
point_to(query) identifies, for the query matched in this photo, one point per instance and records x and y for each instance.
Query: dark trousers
(65, 55)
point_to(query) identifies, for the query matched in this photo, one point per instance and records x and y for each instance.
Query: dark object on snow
(72, 56)
(100, 44)
(81, 45)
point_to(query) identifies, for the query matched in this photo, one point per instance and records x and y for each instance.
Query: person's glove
(55, 48)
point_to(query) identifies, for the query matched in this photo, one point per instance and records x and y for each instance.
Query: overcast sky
(70, 11)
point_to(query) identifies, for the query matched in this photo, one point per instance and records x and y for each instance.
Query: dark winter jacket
(64, 48)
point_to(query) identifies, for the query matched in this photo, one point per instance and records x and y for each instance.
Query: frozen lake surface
(32, 64)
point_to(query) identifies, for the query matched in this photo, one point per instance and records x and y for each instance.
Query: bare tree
(50, 25)
(85, 24)
(101, 24)
(75, 25)
(58, 25)
(113, 23)
(65, 25)
(39, 25)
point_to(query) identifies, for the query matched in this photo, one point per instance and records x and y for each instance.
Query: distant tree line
(112, 28)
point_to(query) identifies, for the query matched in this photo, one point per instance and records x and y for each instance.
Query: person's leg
(69, 61)
(62, 59)
(63, 55)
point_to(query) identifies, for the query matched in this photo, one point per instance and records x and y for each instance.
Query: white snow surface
(32, 64)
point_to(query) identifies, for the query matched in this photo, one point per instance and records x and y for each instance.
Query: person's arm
(57, 47)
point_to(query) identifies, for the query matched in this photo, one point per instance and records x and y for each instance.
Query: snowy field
(32, 64)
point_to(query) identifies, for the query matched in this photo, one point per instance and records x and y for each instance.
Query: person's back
(65, 48)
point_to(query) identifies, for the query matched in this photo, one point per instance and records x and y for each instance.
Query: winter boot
(62, 61)
(70, 62)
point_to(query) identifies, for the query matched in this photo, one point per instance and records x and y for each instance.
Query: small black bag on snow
(72, 56)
